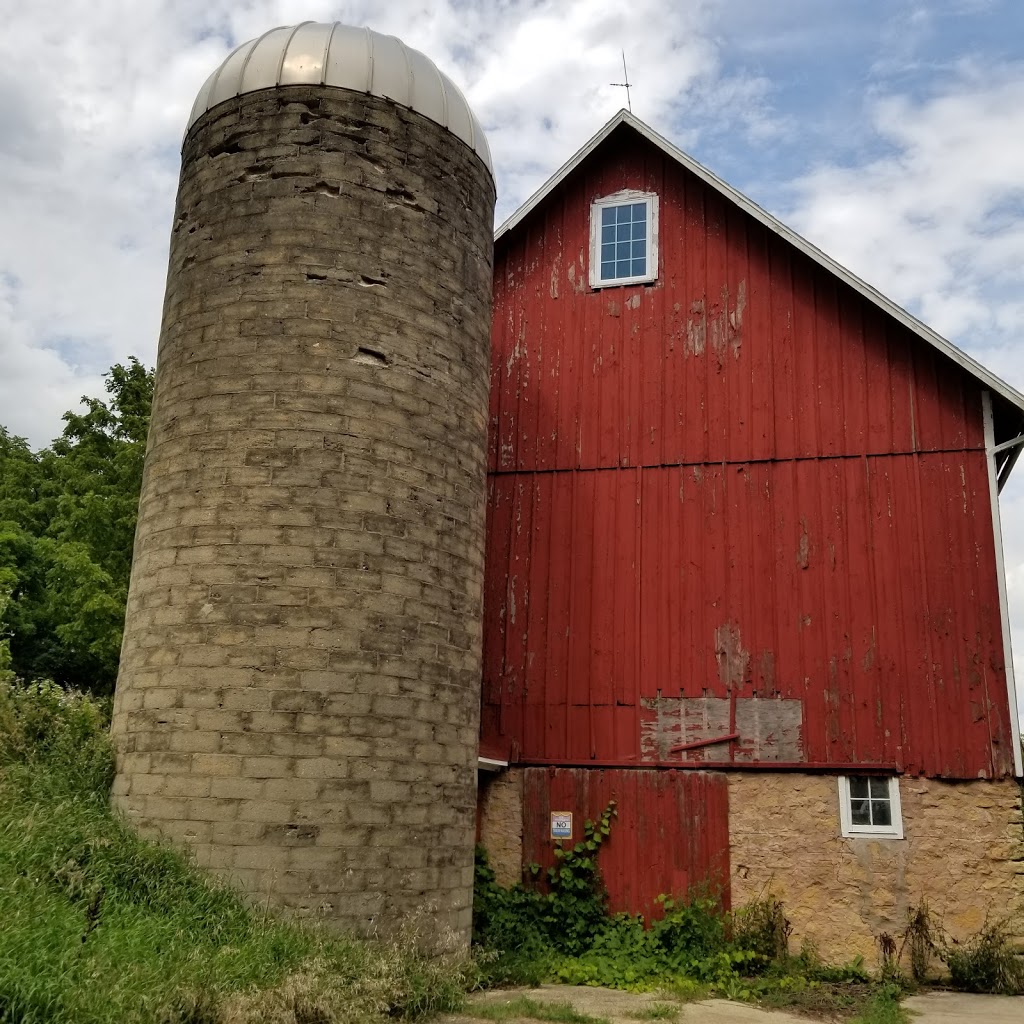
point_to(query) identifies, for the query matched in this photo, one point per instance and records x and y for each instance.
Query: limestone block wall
(500, 823)
(961, 852)
(299, 686)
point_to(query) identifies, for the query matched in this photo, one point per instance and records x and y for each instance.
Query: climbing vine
(556, 925)
(556, 912)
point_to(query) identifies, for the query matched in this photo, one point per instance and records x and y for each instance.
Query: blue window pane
(623, 241)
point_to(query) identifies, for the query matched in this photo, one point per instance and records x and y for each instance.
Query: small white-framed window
(869, 805)
(624, 239)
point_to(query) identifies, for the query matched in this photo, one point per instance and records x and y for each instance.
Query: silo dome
(345, 57)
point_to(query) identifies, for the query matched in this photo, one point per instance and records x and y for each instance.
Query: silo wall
(299, 686)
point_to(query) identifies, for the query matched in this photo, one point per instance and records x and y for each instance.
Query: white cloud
(937, 223)
(92, 110)
(37, 384)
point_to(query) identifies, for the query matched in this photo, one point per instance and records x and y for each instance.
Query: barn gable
(628, 131)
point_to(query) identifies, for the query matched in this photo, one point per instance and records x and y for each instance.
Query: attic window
(869, 805)
(624, 239)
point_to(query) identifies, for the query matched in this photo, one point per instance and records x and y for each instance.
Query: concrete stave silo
(299, 686)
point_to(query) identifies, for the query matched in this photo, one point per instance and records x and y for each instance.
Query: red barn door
(671, 833)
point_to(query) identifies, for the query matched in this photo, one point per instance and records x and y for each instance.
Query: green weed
(100, 926)
(920, 940)
(685, 990)
(883, 1007)
(986, 962)
(694, 950)
(523, 1007)
(557, 927)
(657, 1011)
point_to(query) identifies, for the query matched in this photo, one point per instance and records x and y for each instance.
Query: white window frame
(624, 198)
(852, 831)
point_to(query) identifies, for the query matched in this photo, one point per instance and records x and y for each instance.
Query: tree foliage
(67, 524)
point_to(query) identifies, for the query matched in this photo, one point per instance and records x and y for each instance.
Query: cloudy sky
(889, 132)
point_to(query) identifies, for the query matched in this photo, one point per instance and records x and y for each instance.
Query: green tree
(67, 525)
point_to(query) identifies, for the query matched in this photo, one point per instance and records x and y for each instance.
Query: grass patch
(523, 1007)
(882, 1007)
(823, 1000)
(657, 1011)
(102, 927)
(684, 990)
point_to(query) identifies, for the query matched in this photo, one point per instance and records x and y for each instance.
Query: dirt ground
(624, 1007)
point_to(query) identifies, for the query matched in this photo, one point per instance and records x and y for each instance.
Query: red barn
(744, 567)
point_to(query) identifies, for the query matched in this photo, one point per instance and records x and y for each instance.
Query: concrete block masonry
(299, 686)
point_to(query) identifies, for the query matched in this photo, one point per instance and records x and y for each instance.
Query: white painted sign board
(561, 824)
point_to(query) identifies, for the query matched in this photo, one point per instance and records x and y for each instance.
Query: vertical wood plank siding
(742, 481)
(670, 835)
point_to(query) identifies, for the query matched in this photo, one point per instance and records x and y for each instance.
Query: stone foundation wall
(961, 852)
(500, 823)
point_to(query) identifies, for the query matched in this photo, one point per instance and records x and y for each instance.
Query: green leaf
(67, 526)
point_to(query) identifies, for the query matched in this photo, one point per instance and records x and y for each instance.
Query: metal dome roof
(346, 58)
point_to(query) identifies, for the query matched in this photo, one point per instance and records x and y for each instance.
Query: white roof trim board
(947, 348)
(344, 57)
(490, 764)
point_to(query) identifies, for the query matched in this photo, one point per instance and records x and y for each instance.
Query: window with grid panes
(623, 239)
(869, 805)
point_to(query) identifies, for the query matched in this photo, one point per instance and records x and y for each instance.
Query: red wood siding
(670, 836)
(739, 485)
(744, 350)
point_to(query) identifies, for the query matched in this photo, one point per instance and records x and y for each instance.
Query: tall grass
(98, 925)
